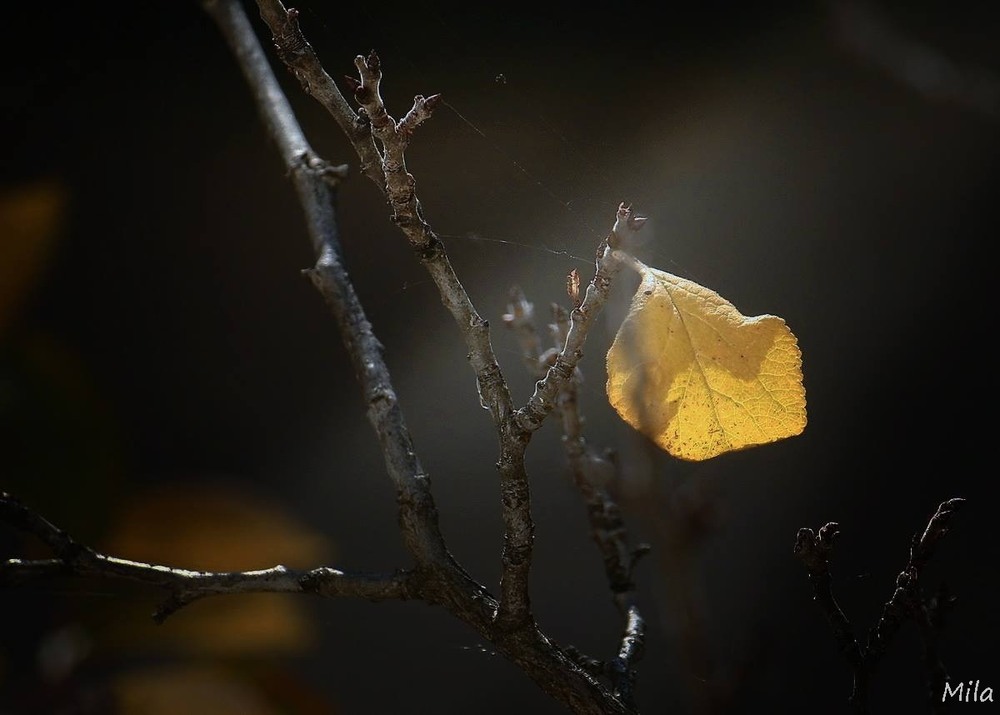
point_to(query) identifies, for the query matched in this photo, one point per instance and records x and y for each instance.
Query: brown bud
(573, 287)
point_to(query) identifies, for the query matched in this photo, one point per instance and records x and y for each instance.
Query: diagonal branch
(400, 189)
(299, 56)
(399, 186)
(907, 599)
(314, 182)
(582, 319)
(391, 176)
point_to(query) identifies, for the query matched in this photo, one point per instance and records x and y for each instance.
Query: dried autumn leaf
(699, 378)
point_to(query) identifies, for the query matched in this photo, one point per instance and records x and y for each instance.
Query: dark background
(833, 164)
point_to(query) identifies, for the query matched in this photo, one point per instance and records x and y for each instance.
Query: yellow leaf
(699, 378)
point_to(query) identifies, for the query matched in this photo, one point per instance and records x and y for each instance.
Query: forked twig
(907, 602)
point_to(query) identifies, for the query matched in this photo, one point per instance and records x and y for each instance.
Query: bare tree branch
(393, 179)
(184, 586)
(506, 620)
(299, 57)
(591, 475)
(317, 193)
(583, 317)
(437, 578)
(814, 550)
(552, 668)
(520, 318)
(907, 596)
(399, 186)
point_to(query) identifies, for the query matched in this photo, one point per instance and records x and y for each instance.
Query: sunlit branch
(582, 319)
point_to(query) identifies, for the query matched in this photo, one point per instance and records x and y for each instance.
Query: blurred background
(172, 389)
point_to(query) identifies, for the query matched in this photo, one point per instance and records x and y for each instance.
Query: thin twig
(299, 56)
(930, 621)
(907, 600)
(582, 319)
(400, 189)
(394, 180)
(591, 473)
(814, 550)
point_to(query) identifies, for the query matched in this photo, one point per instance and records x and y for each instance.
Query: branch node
(638, 552)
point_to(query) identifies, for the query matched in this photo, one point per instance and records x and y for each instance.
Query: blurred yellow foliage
(189, 689)
(30, 219)
(212, 526)
(215, 527)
